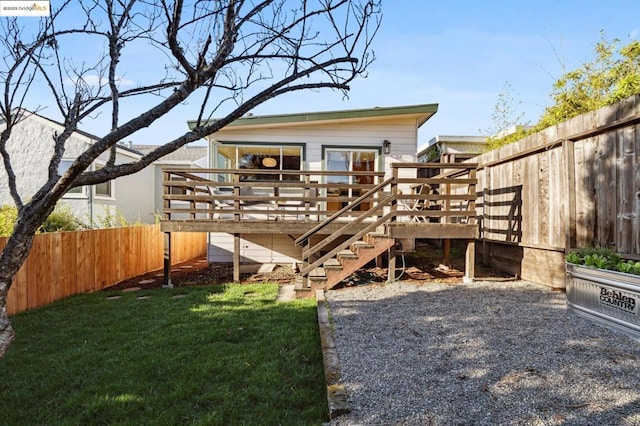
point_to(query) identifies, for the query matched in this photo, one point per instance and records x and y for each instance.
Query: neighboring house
(137, 197)
(452, 149)
(187, 156)
(339, 141)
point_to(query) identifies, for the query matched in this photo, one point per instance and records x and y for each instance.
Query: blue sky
(458, 54)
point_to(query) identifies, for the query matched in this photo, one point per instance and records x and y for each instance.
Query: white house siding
(254, 248)
(366, 133)
(402, 134)
(31, 147)
(134, 196)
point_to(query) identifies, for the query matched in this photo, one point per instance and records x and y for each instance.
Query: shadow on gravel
(486, 353)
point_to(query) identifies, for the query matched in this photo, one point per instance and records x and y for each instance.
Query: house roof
(185, 153)
(421, 112)
(469, 144)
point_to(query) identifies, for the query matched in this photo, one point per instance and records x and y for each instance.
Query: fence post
(570, 176)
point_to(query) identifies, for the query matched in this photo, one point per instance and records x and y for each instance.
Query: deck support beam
(236, 258)
(167, 261)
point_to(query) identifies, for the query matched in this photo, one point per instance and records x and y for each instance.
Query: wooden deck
(222, 200)
(318, 208)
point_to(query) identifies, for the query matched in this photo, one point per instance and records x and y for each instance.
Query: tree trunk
(6, 330)
(11, 259)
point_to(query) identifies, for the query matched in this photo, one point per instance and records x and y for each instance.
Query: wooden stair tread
(347, 253)
(332, 263)
(318, 274)
(362, 244)
(378, 235)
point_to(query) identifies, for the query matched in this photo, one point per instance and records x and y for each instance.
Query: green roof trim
(424, 112)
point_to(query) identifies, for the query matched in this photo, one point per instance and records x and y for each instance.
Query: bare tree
(215, 52)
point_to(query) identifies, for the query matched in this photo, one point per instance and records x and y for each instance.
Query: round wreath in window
(269, 162)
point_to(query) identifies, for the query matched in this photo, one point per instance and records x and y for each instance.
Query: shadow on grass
(215, 355)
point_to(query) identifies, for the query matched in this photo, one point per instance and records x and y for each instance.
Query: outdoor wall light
(386, 147)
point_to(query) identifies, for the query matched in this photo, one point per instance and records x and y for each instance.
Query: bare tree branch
(216, 53)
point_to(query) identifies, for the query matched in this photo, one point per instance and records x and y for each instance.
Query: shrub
(61, 219)
(8, 217)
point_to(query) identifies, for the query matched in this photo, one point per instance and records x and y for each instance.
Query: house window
(105, 189)
(78, 191)
(349, 160)
(261, 157)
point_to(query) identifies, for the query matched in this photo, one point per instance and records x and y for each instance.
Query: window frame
(243, 144)
(112, 187)
(82, 190)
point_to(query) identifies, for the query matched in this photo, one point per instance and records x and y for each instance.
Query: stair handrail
(345, 229)
(311, 266)
(302, 240)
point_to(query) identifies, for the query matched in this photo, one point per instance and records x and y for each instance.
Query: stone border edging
(336, 393)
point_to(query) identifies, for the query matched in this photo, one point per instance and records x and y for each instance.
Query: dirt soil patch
(421, 267)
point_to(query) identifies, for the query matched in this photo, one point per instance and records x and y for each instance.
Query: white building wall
(267, 248)
(31, 147)
(254, 248)
(402, 134)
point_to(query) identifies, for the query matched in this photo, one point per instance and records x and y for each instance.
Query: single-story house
(326, 191)
(348, 141)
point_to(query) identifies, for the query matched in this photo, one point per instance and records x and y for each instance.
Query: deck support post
(167, 261)
(236, 258)
(446, 252)
(469, 261)
(391, 274)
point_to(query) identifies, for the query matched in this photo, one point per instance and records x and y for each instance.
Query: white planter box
(608, 298)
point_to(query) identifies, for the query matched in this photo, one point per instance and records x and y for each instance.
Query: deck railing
(241, 194)
(238, 195)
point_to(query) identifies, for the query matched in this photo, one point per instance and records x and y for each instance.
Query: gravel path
(488, 353)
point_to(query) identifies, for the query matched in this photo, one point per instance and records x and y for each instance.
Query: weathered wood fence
(65, 263)
(574, 184)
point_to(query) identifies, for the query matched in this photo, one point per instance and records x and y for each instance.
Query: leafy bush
(613, 75)
(8, 217)
(61, 219)
(603, 258)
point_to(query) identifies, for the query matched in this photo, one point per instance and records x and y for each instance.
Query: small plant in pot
(603, 258)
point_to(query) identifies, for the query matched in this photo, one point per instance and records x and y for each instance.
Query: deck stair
(343, 264)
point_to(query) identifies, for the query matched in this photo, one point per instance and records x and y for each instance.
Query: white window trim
(76, 196)
(112, 185)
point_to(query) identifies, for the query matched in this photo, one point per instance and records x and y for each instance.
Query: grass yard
(212, 355)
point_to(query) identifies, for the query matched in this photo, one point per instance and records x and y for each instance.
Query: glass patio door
(342, 160)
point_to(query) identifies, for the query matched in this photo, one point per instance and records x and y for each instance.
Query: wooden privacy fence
(571, 185)
(65, 263)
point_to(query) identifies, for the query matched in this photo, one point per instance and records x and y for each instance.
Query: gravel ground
(487, 353)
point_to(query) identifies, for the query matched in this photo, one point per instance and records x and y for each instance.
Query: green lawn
(215, 355)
